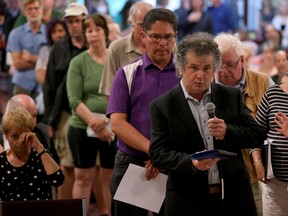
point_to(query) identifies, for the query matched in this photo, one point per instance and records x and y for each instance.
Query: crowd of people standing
(86, 102)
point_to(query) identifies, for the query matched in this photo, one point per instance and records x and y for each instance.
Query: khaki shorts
(18, 90)
(61, 141)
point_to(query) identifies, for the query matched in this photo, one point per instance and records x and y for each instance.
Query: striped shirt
(273, 101)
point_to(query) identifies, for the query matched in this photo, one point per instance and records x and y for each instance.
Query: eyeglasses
(157, 38)
(139, 25)
(29, 9)
(230, 66)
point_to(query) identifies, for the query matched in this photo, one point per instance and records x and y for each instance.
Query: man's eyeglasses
(230, 66)
(140, 25)
(158, 38)
(29, 9)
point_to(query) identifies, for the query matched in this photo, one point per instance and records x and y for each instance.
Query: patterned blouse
(29, 182)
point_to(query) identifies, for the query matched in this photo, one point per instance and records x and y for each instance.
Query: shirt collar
(147, 63)
(188, 96)
(28, 29)
(130, 46)
(241, 83)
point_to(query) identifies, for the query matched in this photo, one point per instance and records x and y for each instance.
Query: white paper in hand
(270, 173)
(90, 132)
(134, 189)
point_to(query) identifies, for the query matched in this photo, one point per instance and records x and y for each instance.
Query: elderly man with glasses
(252, 85)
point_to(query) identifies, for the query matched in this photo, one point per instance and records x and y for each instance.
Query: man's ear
(243, 61)
(143, 34)
(180, 71)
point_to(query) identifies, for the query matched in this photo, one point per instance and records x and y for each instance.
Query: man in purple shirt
(134, 87)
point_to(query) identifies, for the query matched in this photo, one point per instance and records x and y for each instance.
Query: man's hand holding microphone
(217, 126)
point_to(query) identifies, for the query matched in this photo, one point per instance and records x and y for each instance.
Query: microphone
(210, 108)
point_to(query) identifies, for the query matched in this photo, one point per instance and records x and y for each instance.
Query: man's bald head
(24, 101)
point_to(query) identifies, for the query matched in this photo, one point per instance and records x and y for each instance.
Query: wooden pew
(61, 207)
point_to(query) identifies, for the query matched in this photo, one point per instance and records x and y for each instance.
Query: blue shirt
(134, 87)
(201, 117)
(222, 18)
(22, 38)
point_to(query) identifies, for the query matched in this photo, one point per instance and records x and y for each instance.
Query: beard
(34, 19)
(77, 36)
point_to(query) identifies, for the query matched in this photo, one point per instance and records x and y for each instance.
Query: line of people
(155, 108)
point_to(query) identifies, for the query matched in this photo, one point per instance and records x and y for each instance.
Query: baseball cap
(75, 9)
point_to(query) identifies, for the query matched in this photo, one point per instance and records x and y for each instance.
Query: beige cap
(75, 9)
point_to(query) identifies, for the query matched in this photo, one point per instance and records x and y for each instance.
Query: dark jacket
(185, 27)
(175, 137)
(54, 87)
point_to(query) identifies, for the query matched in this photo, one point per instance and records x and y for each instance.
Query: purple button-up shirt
(134, 87)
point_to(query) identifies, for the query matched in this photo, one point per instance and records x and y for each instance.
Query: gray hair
(228, 41)
(144, 7)
(200, 44)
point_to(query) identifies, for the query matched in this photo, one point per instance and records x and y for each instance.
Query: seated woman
(27, 170)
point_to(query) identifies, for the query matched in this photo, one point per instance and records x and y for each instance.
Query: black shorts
(84, 149)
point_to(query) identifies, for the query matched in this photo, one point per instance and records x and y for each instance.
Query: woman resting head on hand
(27, 170)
